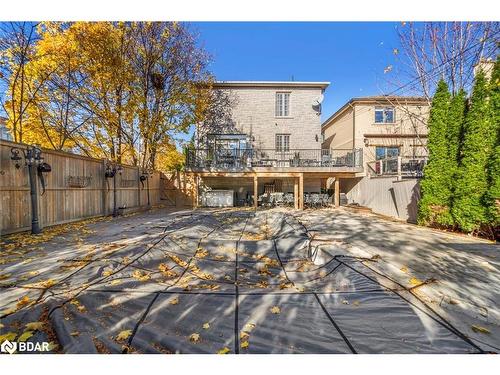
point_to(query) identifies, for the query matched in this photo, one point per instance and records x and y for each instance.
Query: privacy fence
(78, 187)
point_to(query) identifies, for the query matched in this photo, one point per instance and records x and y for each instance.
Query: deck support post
(337, 192)
(301, 191)
(255, 191)
(296, 193)
(196, 188)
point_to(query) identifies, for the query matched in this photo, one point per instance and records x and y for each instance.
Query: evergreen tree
(493, 196)
(456, 118)
(434, 207)
(469, 210)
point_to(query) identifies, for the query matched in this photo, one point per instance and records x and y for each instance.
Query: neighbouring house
(392, 132)
(272, 145)
(4, 131)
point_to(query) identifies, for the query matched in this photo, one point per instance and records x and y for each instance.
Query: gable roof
(380, 99)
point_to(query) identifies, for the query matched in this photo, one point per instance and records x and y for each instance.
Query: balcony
(398, 166)
(259, 160)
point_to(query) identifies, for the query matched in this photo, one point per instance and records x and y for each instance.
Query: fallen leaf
(23, 301)
(8, 336)
(74, 333)
(224, 350)
(194, 337)
(275, 310)
(174, 301)
(244, 344)
(206, 326)
(345, 302)
(34, 326)
(249, 327)
(244, 335)
(356, 303)
(404, 269)
(477, 328)
(414, 281)
(116, 282)
(123, 335)
(25, 336)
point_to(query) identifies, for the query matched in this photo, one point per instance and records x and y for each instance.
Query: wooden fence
(76, 188)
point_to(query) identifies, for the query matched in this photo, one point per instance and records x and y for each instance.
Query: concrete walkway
(240, 281)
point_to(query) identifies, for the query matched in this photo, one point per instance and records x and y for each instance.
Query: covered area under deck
(248, 188)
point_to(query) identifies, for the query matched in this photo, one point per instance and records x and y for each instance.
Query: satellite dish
(320, 99)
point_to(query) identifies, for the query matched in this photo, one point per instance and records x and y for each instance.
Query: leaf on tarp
(194, 337)
(174, 301)
(123, 335)
(34, 326)
(249, 327)
(414, 281)
(478, 328)
(206, 325)
(8, 336)
(23, 301)
(25, 336)
(275, 310)
(244, 344)
(224, 350)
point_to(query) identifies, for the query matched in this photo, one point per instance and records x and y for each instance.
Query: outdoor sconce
(317, 139)
(112, 169)
(14, 155)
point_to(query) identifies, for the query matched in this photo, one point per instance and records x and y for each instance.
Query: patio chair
(289, 199)
(315, 200)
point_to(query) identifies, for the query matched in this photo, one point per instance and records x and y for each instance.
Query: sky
(352, 56)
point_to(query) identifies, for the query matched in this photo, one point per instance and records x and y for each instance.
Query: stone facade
(254, 112)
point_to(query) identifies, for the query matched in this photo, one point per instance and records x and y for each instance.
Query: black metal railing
(235, 159)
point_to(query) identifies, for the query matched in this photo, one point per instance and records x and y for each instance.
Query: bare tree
(217, 117)
(430, 51)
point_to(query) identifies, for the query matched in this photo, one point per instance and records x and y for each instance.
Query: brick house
(274, 146)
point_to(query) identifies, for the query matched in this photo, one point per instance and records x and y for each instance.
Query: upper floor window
(282, 142)
(282, 104)
(384, 115)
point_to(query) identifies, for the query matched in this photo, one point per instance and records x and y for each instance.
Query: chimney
(485, 65)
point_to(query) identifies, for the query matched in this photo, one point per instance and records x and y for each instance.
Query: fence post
(104, 189)
(138, 187)
(399, 168)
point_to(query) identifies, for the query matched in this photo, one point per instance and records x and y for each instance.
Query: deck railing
(400, 166)
(234, 159)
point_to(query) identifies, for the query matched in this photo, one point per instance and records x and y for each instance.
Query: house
(272, 145)
(4, 131)
(392, 133)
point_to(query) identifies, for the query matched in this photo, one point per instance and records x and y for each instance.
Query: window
(384, 115)
(386, 152)
(282, 142)
(282, 104)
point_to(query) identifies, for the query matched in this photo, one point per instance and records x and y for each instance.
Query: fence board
(75, 189)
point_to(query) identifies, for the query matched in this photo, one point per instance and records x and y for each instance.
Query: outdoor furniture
(289, 199)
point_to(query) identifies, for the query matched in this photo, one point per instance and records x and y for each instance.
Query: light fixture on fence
(15, 156)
